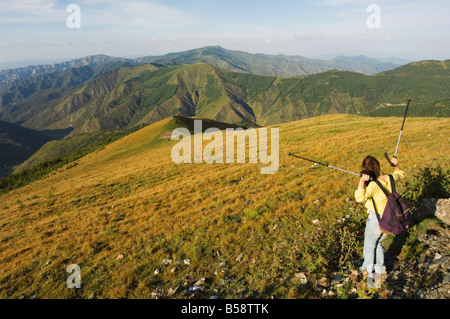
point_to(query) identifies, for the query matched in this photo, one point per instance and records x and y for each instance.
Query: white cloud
(29, 11)
(100, 13)
(28, 7)
(136, 13)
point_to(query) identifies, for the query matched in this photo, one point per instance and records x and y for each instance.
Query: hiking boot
(383, 277)
(379, 279)
(369, 281)
(365, 274)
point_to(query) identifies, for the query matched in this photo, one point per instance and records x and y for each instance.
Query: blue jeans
(373, 251)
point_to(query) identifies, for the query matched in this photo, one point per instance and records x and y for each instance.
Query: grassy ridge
(123, 209)
(438, 109)
(55, 154)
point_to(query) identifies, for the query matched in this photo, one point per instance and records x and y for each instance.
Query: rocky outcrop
(437, 207)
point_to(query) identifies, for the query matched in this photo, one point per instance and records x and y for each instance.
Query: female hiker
(373, 251)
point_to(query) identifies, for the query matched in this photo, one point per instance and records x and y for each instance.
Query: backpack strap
(382, 187)
(391, 178)
(376, 210)
(385, 193)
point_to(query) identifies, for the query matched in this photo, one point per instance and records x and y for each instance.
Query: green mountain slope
(133, 95)
(88, 142)
(10, 75)
(436, 109)
(21, 99)
(57, 153)
(147, 93)
(263, 64)
(278, 100)
(17, 143)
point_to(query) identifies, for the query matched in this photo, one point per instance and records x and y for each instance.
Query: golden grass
(131, 199)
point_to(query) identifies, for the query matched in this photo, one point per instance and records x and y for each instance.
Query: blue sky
(36, 30)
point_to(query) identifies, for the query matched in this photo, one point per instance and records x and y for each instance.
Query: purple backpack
(397, 216)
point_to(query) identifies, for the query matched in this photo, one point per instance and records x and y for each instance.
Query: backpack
(397, 216)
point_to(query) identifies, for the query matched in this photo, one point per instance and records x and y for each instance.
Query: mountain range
(260, 64)
(271, 65)
(103, 94)
(86, 100)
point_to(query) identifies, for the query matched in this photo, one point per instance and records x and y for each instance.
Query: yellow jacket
(372, 190)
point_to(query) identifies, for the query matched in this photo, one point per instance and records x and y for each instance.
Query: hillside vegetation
(140, 226)
(17, 143)
(148, 93)
(58, 153)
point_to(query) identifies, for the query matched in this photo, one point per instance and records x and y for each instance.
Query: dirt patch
(166, 135)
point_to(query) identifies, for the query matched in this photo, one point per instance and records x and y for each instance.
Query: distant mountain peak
(265, 64)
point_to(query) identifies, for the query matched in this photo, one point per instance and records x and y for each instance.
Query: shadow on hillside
(395, 248)
(433, 187)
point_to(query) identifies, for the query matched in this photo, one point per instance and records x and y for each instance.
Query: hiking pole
(340, 169)
(399, 137)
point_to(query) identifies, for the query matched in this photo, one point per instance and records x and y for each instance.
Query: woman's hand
(395, 162)
(362, 182)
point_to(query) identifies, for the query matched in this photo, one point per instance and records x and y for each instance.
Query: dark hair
(371, 165)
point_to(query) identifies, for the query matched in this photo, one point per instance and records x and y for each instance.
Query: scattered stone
(437, 207)
(239, 258)
(443, 210)
(119, 257)
(405, 280)
(187, 262)
(433, 294)
(315, 221)
(323, 282)
(442, 260)
(156, 294)
(166, 261)
(421, 293)
(337, 279)
(446, 279)
(223, 281)
(172, 291)
(201, 281)
(300, 278)
(433, 266)
(156, 272)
